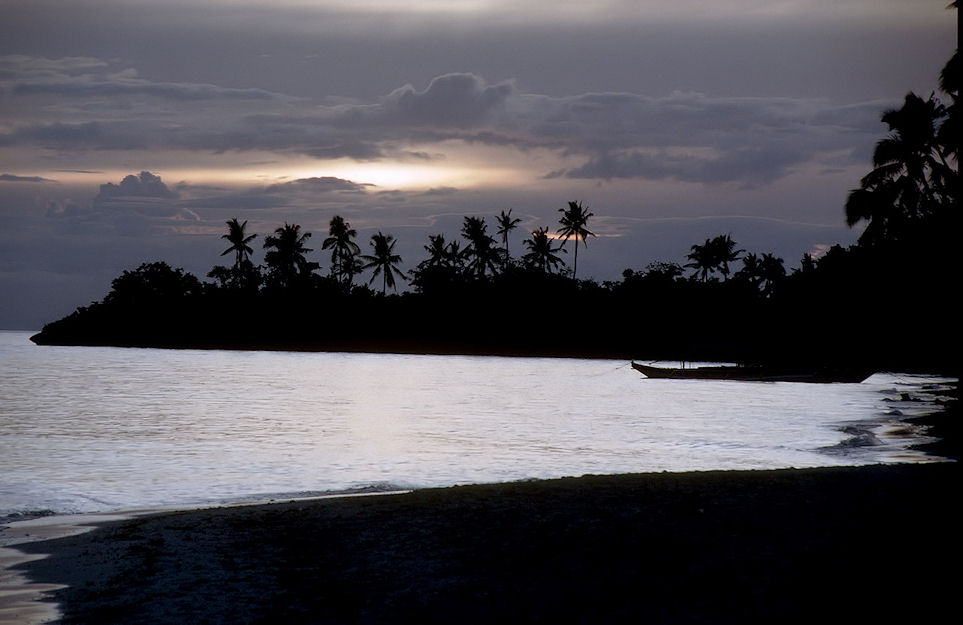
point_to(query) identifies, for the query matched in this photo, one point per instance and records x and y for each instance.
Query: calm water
(87, 429)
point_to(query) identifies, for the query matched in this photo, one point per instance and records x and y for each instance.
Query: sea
(101, 429)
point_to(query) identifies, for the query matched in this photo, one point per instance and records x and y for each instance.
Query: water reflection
(85, 429)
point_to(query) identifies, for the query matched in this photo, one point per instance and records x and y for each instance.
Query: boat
(754, 373)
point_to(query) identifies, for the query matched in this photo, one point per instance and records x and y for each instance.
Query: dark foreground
(823, 545)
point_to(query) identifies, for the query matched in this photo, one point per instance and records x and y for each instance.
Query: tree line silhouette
(286, 264)
(888, 299)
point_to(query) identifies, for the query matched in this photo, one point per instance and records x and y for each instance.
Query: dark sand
(822, 545)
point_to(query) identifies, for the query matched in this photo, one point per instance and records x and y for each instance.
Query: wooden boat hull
(751, 374)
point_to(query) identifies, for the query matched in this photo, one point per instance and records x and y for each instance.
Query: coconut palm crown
(574, 220)
(239, 242)
(384, 261)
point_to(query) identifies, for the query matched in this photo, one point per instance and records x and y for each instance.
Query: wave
(24, 515)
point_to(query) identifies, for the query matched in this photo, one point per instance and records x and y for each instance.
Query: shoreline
(730, 541)
(25, 601)
(724, 546)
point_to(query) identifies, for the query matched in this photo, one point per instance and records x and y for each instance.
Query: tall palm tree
(910, 172)
(343, 250)
(383, 261)
(239, 242)
(505, 225)
(285, 257)
(541, 253)
(574, 220)
(483, 254)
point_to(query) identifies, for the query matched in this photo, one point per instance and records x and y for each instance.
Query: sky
(132, 130)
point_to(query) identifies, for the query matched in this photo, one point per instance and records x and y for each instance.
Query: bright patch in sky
(395, 175)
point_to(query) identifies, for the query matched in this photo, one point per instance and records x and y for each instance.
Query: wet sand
(810, 545)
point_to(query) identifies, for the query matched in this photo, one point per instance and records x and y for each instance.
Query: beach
(876, 542)
(718, 547)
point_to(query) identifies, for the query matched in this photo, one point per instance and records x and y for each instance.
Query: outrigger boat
(752, 373)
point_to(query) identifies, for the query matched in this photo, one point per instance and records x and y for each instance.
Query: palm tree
(910, 173)
(751, 271)
(442, 254)
(724, 252)
(343, 250)
(243, 274)
(437, 250)
(383, 261)
(541, 253)
(762, 273)
(714, 255)
(455, 256)
(949, 132)
(481, 248)
(574, 220)
(701, 260)
(443, 267)
(773, 271)
(505, 225)
(285, 257)
(239, 242)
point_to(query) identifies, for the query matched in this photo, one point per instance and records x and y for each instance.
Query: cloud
(15, 178)
(94, 135)
(461, 100)
(14, 66)
(748, 167)
(124, 85)
(294, 193)
(685, 136)
(139, 205)
(320, 184)
(83, 77)
(144, 185)
(694, 138)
